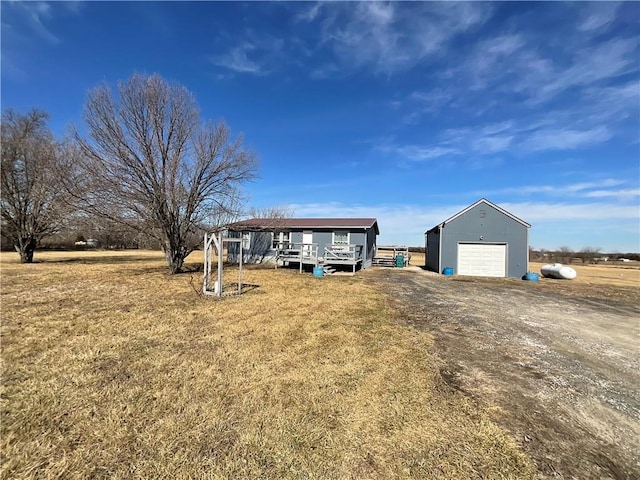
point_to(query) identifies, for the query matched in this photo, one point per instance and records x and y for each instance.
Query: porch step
(329, 270)
(384, 261)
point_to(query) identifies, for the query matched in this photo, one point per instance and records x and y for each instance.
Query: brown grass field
(613, 274)
(607, 274)
(111, 368)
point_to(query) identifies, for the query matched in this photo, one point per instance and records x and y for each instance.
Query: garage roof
(486, 202)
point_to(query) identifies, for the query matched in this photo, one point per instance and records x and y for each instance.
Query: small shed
(481, 240)
(313, 241)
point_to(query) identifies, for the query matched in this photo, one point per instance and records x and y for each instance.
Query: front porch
(310, 254)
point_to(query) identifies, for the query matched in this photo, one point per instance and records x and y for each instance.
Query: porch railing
(307, 253)
(297, 252)
(342, 253)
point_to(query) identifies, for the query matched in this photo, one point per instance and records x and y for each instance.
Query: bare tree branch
(152, 164)
(32, 200)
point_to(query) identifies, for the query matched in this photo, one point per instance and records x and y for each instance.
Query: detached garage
(481, 240)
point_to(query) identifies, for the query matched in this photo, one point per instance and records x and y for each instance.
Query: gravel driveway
(559, 368)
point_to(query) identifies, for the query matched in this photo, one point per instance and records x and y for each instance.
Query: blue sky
(407, 112)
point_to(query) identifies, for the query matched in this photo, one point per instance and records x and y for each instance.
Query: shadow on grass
(230, 289)
(191, 268)
(106, 259)
(159, 270)
(115, 259)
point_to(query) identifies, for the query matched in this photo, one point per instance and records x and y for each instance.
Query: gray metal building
(481, 240)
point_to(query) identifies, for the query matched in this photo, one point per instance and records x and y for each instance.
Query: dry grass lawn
(113, 369)
(616, 274)
(606, 274)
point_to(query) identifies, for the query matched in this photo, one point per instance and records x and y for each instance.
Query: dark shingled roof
(257, 224)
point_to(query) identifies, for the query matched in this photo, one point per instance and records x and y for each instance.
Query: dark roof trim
(486, 202)
(270, 224)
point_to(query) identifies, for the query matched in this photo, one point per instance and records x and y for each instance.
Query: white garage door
(481, 259)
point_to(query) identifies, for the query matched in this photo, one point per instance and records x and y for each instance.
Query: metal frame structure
(217, 240)
(386, 255)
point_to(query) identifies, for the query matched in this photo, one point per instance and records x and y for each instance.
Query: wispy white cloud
(259, 54)
(237, 60)
(623, 194)
(483, 163)
(525, 75)
(75, 6)
(423, 103)
(580, 189)
(492, 144)
(565, 139)
(432, 100)
(417, 153)
(526, 65)
(598, 15)
(607, 182)
(490, 60)
(607, 60)
(325, 71)
(564, 211)
(368, 38)
(36, 16)
(26, 24)
(309, 12)
(521, 138)
(611, 103)
(389, 39)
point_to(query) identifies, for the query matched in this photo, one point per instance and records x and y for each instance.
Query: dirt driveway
(557, 364)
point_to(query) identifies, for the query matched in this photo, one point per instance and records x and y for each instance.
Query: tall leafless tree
(270, 213)
(589, 254)
(32, 197)
(564, 254)
(149, 161)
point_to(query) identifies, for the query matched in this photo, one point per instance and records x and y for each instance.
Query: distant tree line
(587, 255)
(148, 172)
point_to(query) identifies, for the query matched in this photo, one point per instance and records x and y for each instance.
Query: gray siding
(324, 238)
(370, 248)
(432, 252)
(485, 224)
(260, 250)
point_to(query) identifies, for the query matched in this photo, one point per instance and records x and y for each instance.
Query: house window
(281, 239)
(341, 238)
(246, 240)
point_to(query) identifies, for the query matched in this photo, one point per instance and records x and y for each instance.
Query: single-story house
(311, 241)
(481, 240)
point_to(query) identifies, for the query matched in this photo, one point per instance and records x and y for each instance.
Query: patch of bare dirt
(556, 362)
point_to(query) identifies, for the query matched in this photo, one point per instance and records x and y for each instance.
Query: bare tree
(32, 197)
(564, 253)
(264, 242)
(274, 213)
(589, 254)
(151, 163)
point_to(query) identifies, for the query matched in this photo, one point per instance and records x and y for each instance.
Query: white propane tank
(558, 270)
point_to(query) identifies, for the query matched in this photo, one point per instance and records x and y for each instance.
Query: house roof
(258, 224)
(486, 202)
